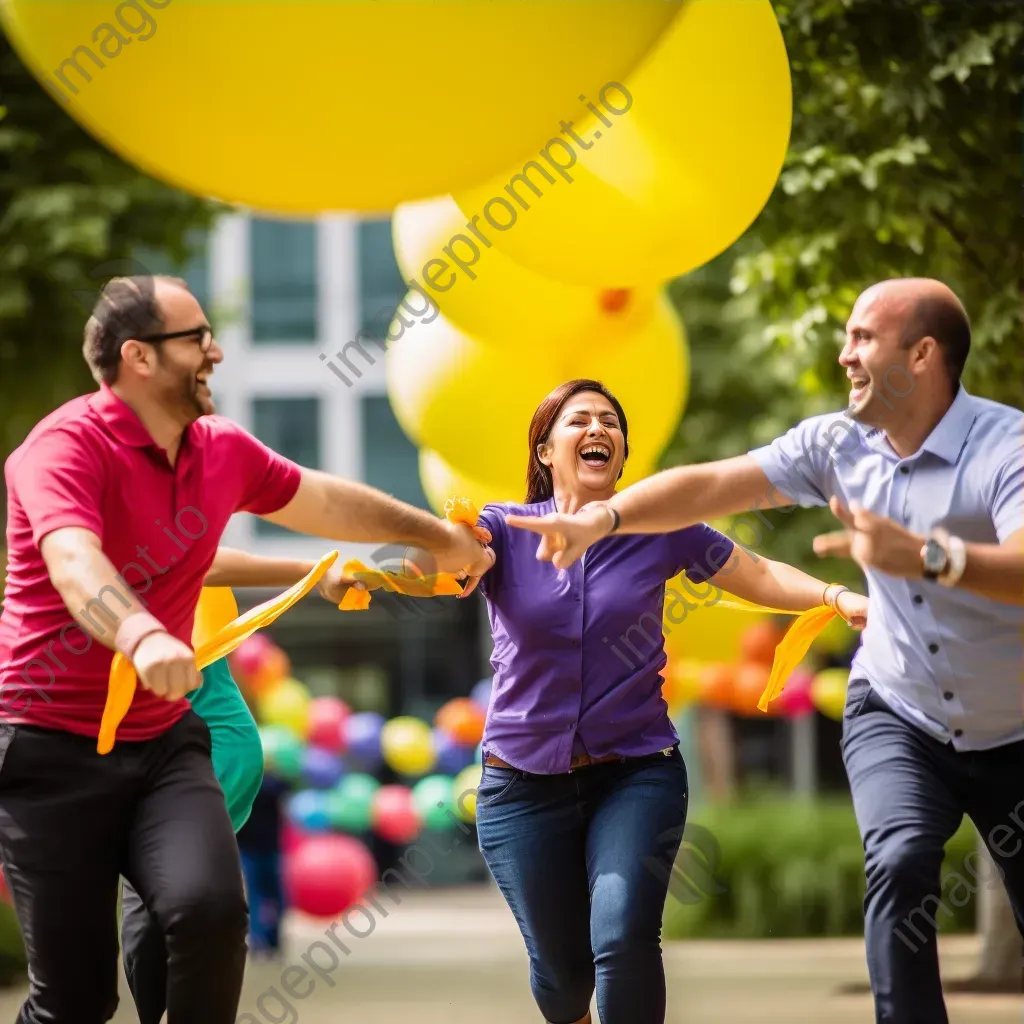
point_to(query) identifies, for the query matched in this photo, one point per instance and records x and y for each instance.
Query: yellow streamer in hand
(442, 584)
(122, 681)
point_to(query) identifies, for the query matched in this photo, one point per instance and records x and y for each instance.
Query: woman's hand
(853, 608)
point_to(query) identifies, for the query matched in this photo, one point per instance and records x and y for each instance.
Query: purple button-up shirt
(578, 655)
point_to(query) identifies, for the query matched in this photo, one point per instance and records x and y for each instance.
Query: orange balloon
(716, 685)
(463, 720)
(758, 643)
(749, 682)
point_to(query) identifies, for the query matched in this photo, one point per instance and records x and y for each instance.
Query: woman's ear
(544, 454)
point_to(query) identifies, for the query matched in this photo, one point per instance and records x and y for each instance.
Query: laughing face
(184, 369)
(586, 447)
(874, 356)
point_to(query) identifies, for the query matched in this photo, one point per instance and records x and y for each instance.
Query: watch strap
(956, 563)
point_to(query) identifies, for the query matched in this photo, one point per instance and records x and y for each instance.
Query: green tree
(72, 214)
(905, 161)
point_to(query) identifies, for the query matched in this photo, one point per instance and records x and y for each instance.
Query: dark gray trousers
(910, 793)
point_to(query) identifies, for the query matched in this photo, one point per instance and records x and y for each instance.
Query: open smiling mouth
(595, 455)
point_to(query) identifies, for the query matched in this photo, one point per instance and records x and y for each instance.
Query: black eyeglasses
(204, 335)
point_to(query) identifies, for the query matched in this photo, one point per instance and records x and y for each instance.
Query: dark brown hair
(539, 486)
(127, 308)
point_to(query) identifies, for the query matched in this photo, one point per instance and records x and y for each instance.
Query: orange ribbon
(442, 584)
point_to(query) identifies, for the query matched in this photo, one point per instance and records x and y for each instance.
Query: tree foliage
(71, 215)
(905, 161)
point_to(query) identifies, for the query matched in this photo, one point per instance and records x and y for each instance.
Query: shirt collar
(119, 419)
(949, 436)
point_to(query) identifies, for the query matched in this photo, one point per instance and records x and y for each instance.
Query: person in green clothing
(237, 754)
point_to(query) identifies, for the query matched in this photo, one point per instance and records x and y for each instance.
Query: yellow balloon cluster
(464, 384)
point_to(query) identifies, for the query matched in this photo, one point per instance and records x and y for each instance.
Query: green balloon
(282, 751)
(427, 794)
(350, 803)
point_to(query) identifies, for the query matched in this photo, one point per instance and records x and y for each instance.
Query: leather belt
(579, 761)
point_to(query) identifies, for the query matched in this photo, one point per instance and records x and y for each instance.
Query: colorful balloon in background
(432, 799)
(463, 720)
(481, 692)
(324, 875)
(282, 751)
(362, 734)
(407, 746)
(394, 815)
(464, 788)
(796, 700)
(285, 703)
(326, 723)
(321, 769)
(350, 803)
(828, 691)
(263, 90)
(452, 756)
(307, 810)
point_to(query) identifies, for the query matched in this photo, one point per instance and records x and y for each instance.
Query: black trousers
(910, 794)
(73, 822)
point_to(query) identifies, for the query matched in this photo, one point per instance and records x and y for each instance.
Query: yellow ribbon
(123, 681)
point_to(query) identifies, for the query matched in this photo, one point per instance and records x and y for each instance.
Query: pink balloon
(795, 701)
(327, 717)
(292, 837)
(327, 874)
(394, 815)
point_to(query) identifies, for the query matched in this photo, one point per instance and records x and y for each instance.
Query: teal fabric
(237, 750)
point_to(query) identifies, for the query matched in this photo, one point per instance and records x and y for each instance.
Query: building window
(283, 281)
(390, 459)
(193, 265)
(381, 287)
(291, 427)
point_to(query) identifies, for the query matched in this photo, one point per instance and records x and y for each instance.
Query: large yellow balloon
(666, 173)
(441, 482)
(472, 403)
(491, 297)
(828, 691)
(300, 106)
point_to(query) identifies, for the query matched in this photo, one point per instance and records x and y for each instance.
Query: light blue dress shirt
(947, 660)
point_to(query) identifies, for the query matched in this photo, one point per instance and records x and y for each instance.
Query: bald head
(926, 309)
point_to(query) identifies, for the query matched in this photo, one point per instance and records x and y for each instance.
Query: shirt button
(918, 599)
(948, 695)
(904, 470)
(958, 733)
(934, 648)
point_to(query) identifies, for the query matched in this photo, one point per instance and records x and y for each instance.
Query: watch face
(934, 557)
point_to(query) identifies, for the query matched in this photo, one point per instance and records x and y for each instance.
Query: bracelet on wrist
(615, 518)
(133, 630)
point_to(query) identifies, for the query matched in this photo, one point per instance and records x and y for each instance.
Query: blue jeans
(262, 872)
(910, 793)
(583, 860)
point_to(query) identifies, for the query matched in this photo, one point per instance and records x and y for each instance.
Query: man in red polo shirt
(116, 505)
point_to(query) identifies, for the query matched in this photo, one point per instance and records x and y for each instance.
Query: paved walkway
(456, 958)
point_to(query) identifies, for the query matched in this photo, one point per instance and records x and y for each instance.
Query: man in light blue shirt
(928, 482)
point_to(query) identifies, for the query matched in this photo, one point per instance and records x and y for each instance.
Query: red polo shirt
(92, 464)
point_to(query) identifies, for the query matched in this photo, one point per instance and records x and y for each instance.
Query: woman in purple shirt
(582, 802)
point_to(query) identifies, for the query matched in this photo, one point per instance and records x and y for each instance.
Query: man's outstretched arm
(670, 500)
(336, 509)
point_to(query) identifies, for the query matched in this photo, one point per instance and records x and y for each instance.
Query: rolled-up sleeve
(492, 517)
(801, 463)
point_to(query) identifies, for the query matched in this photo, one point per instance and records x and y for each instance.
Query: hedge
(786, 868)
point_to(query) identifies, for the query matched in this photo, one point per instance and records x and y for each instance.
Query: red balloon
(327, 874)
(394, 815)
(292, 837)
(796, 700)
(327, 716)
(249, 656)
